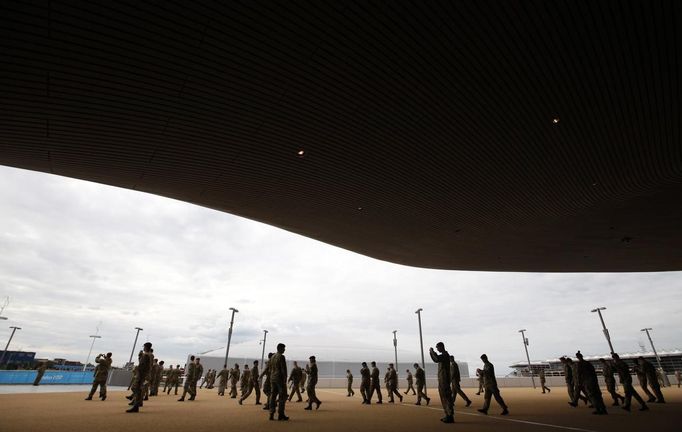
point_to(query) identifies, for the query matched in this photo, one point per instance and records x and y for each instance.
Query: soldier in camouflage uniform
(409, 383)
(159, 376)
(650, 373)
(311, 370)
(143, 368)
(304, 378)
(295, 379)
(278, 383)
(222, 380)
(393, 384)
(234, 379)
(374, 384)
(349, 379)
(166, 381)
(543, 381)
(267, 388)
(420, 378)
(255, 381)
(643, 382)
(365, 383)
(444, 381)
(607, 372)
(153, 374)
(245, 384)
(101, 375)
(190, 384)
(479, 375)
(587, 379)
(626, 380)
(456, 380)
(175, 380)
(491, 389)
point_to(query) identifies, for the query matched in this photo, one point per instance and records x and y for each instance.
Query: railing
(50, 377)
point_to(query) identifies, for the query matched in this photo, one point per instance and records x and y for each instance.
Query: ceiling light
(555, 120)
(301, 152)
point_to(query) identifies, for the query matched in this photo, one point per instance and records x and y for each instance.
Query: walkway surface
(530, 411)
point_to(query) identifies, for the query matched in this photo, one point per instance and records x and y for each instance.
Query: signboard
(50, 377)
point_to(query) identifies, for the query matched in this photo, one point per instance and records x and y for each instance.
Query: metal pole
(525, 346)
(395, 348)
(90, 352)
(658, 359)
(262, 355)
(134, 344)
(421, 343)
(605, 330)
(14, 328)
(229, 334)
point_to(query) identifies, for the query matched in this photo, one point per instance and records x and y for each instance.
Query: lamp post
(262, 355)
(658, 359)
(14, 329)
(525, 346)
(134, 345)
(395, 348)
(94, 337)
(421, 343)
(229, 334)
(606, 331)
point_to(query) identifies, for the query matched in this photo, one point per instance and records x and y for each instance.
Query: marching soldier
(278, 383)
(255, 381)
(349, 378)
(190, 383)
(132, 378)
(100, 378)
(571, 377)
(267, 388)
(479, 374)
(234, 379)
(456, 380)
(304, 378)
(543, 381)
(491, 389)
(678, 377)
(375, 384)
(143, 368)
(311, 371)
(409, 383)
(626, 380)
(393, 384)
(365, 383)
(444, 381)
(650, 373)
(587, 379)
(222, 380)
(200, 373)
(245, 384)
(420, 377)
(152, 377)
(607, 372)
(174, 380)
(159, 376)
(295, 380)
(166, 382)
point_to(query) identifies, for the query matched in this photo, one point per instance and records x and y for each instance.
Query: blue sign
(50, 377)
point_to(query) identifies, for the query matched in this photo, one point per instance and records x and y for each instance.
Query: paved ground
(530, 410)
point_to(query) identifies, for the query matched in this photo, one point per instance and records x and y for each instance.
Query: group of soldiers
(449, 383)
(581, 381)
(583, 385)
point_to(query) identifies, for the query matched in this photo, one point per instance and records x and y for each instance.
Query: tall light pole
(14, 328)
(606, 331)
(525, 346)
(229, 334)
(262, 355)
(658, 359)
(395, 348)
(94, 337)
(421, 343)
(134, 344)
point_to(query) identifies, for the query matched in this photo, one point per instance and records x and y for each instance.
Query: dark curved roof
(479, 135)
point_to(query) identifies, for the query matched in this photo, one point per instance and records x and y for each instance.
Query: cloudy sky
(76, 256)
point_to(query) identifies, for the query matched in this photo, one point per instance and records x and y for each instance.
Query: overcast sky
(76, 255)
